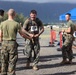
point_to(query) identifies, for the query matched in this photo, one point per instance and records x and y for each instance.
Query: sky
(44, 1)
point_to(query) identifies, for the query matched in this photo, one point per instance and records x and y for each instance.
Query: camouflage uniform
(67, 45)
(9, 54)
(34, 44)
(1, 19)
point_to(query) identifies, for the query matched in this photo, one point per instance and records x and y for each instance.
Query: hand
(37, 35)
(0, 39)
(31, 35)
(63, 30)
(30, 38)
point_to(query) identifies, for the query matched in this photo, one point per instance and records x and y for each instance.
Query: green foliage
(19, 18)
(5, 16)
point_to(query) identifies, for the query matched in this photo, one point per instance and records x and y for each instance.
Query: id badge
(34, 28)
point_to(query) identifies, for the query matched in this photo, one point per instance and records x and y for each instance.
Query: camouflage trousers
(0, 55)
(67, 48)
(32, 47)
(9, 56)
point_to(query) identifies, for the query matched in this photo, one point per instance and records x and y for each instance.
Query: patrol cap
(33, 11)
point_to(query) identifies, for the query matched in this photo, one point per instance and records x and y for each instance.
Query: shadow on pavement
(43, 59)
(54, 65)
(47, 66)
(21, 61)
(23, 68)
(65, 73)
(49, 58)
(52, 57)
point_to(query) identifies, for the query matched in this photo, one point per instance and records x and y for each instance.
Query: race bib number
(34, 28)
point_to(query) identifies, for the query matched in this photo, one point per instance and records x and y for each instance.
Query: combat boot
(27, 65)
(0, 69)
(63, 62)
(70, 61)
(35, 68)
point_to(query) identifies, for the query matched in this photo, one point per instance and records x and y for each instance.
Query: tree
(5, 16)
(19, 18)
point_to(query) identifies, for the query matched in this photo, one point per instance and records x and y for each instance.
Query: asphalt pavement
(49, 63)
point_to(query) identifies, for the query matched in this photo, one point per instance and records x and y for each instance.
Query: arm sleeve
(1, 28)
(71, 26)
(19, 27)
(41, 25)
(25, 24)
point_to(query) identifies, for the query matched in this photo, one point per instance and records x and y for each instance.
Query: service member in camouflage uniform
(1, 19)
(9, 53)
(34, 28)
(1, 15)
(67, 45)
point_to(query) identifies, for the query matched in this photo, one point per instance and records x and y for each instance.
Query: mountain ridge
(47, 12)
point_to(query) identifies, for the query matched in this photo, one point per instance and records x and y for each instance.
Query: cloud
(44, 1)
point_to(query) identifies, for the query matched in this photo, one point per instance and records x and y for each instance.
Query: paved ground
(49, 60)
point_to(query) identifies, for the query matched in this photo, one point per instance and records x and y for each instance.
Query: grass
(45, 36)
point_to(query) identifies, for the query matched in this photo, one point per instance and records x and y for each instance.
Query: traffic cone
(51, 43)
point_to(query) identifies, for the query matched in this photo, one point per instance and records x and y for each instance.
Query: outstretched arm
(1, 35)
(23, 30)
(41, 31)
(24, 35)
